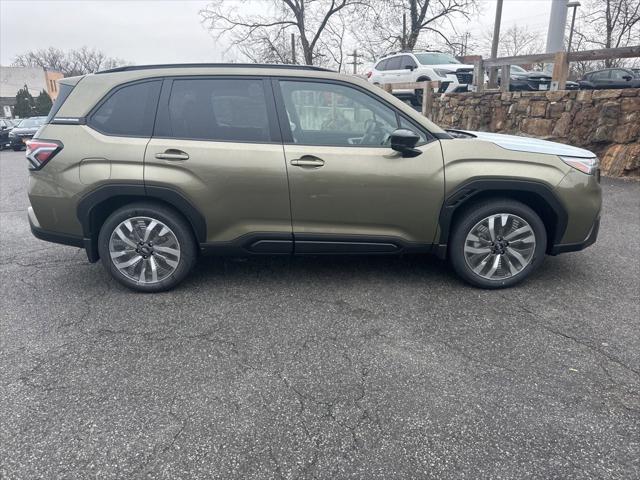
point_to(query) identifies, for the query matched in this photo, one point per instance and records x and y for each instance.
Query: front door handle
(172, 154)
(308, 161)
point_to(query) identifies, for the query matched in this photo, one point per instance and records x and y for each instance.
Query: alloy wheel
(144, 249)
(499, 246)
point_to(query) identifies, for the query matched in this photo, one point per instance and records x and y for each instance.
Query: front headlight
(585, 165)
(442, 73)
(12, 135)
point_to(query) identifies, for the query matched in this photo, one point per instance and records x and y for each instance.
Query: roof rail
(131, 68)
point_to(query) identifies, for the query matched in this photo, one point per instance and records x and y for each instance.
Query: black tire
(471, 216)
(173, 220)
(16, 149)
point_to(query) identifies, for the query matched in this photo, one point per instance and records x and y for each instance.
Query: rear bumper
(574, 247)
(62, 238)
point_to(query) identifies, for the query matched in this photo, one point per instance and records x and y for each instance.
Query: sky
(168, 31)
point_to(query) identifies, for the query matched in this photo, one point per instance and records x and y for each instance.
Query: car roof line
(130, 68)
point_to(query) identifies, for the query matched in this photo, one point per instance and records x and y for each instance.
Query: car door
(349, 190)
(601, 79)
(407, 65)
(621, 78)
(217, 143)
(393, 70)
(381, 73)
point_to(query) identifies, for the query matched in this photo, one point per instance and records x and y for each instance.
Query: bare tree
(424, 18)
(609, 24)
(516, 40)
(334, 44)
(253, 32)
(72, 62)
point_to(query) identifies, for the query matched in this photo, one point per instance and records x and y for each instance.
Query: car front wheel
(497, 243)
(147, 247)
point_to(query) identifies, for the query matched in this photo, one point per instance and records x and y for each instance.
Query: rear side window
(63, 94)
(218, 109)
(382, 65)
(394, 63)
(129, 111)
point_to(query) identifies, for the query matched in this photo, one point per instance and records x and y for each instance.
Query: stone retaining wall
(604, 121)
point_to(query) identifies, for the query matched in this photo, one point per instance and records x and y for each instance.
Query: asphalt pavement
(330, 367)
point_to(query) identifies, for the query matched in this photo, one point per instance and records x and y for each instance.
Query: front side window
(620, 74)
(219, 109)
(333, 114)
(407, 61)
(129, 111)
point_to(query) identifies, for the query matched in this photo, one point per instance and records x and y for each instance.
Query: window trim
(162, 124)
(89, 117)
(287, 135)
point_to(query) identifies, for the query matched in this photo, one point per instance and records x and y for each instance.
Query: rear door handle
(172, 154)
(308, 161)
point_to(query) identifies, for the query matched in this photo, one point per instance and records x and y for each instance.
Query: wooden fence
(560, 61)
(427, 92)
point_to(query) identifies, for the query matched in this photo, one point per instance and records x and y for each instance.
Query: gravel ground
(365, 367)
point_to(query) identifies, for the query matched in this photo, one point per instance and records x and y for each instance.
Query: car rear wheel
(497, 244)
(147, 247)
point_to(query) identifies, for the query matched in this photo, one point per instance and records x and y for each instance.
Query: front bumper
(574, 247)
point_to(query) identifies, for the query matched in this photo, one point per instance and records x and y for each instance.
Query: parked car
(6, 125)
(611, 78)
(422, 66)
(24, 131)
(148, 167)
(531, 80)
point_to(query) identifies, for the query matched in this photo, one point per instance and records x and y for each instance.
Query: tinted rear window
(394, 63)
(218, 109)
(63, 94)
(129, 111)
(382, 65)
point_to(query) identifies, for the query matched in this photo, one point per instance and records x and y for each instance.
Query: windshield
(517, 69)
(435, 58)
(31, 122)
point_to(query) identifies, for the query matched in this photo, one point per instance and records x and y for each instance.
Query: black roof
(220, 65)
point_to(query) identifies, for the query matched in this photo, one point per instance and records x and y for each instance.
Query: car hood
(531, 145)
(452, 66)
(532, 76)
(22, 131)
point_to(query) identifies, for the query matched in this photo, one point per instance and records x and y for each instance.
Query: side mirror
(409, 67)
(627, 78)
(404, 141)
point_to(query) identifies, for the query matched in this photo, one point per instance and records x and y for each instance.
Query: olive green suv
(148, 167)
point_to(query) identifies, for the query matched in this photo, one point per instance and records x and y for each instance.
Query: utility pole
(293, 48)
(575, 6)
(355, 61)
(494, 44)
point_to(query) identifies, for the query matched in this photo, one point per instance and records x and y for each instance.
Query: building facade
(36, 79)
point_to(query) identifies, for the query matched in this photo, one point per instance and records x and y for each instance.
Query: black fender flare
(465, 193)
(167, 195)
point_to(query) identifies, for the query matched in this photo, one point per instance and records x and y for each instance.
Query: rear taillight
(369, 73)
(40, 152)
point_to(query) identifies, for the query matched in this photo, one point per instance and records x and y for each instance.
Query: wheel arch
(536, 195)
(94, 208)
